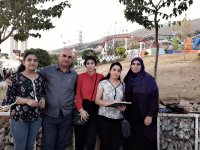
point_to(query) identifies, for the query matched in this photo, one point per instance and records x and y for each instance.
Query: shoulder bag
(87, 105)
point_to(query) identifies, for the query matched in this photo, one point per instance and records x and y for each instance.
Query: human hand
(148, 120)
(32, 103)
(41, 103)
(8, 82)
(122, 107)
(84, 115)
(115, 101)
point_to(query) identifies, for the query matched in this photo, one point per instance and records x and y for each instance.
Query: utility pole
(114, 53)
(80, 40)
(126, 41)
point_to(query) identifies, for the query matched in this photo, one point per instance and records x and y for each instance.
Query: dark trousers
(110, 133)
(86, 134)
(56, 132)
(138, 141)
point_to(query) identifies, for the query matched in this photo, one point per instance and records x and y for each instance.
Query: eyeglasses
(138, 64)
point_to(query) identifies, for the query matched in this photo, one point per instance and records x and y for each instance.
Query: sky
(95, 18)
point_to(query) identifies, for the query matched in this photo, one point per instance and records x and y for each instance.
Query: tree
(184, 28)
(110, 51)
(133, 45)
(121, 51)
(53, 58)
(90, 52)
(75, 61)
(149, 13)
(175, 43)
(43, 56)
(20, 18)
(197, 32)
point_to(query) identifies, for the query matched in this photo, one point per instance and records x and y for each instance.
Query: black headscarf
(141, 82)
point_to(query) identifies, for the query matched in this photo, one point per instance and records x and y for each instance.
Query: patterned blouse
(111, 93)
(25, 88)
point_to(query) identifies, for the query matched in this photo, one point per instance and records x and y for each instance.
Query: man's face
(65, 58)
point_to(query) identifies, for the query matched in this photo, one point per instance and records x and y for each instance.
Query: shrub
(146, 53)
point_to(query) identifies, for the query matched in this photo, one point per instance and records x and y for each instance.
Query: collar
(58, 68)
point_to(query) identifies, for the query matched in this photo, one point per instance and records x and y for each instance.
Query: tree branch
(157, 6)
(9, 34)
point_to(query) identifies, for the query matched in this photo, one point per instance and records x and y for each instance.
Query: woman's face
(136, 66)
(115, 72)
(90, 65)
(31, 62)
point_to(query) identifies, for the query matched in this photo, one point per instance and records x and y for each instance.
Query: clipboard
(123, 103)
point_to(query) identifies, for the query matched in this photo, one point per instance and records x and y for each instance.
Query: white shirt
(111, 93)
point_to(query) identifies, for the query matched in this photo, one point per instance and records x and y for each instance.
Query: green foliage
(110, 52)
(120, 50)
(90, 52)
(146, 53)
(104, 61)
(27, 16)
(198, 55)
(175, 43)
(149, 13)
(43, 57)
(197, 32)
(180, 47)
(53, 58)
(124, 56)
(75, 61)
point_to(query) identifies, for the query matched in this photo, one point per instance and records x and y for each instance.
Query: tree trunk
(157, 47)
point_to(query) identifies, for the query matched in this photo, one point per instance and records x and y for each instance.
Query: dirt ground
(176, 78)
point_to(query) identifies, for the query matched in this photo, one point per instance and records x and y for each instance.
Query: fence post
(158, 133)
(196, 132)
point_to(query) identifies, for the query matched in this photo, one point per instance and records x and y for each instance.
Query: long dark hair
(111, 66)
(22, 67)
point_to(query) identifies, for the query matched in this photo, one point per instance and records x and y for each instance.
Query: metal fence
(178, 131)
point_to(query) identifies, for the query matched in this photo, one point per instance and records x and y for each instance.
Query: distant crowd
(5, 72)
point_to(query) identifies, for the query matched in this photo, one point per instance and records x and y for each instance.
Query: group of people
(5, 72)
(46, 99)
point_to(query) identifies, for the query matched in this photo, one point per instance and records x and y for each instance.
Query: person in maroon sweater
(85, 103)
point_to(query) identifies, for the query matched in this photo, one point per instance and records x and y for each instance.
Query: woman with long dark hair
(141, 89)
(26, 97)
(110, 90)
(85, 103)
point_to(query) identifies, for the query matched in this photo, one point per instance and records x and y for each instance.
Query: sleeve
(43, 87)
(100, 86)
(78, 102)
(12, 92)
(128, 92)
(43, 71)
(128, 97)
(123, 89)
(75, 85)
(153, 104)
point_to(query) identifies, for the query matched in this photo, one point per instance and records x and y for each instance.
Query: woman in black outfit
(141, 89)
